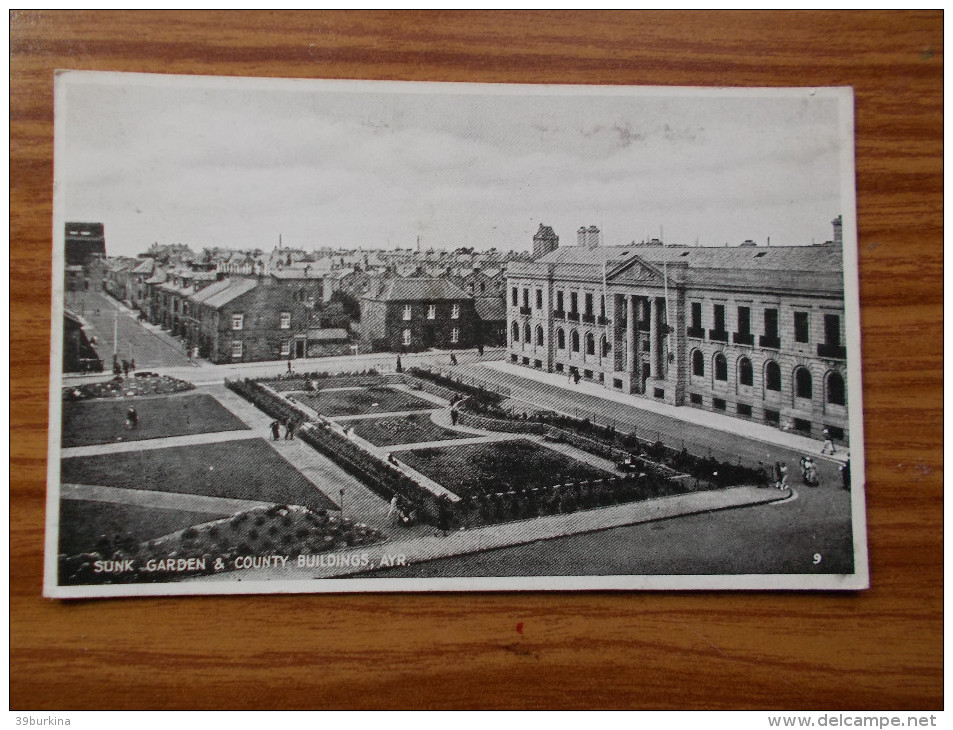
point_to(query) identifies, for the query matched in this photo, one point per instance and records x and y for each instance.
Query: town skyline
(232, 163)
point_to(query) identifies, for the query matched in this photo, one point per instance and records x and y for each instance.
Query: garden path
(119, 447)
(162, 500)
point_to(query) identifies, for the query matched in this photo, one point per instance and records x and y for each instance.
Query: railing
(743, 338)
(698, 332)
(837, 352)
(718, 335)
(772, 341)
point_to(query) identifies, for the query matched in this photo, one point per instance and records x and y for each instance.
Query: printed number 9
(817, 558)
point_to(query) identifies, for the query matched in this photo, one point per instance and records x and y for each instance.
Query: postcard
(336, 336)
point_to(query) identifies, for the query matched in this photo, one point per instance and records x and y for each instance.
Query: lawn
(104, 421)
(84, 523)
(247, 469)
(497, 467)
(410, 429)
(362, 401)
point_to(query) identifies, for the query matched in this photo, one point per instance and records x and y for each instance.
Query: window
(696, 315)
(744, 320)
(285, 349)
(588, 303)
(772, 376)
(574, 341)
(516, 332)
(605, 346)
(515, 296)
(406, 337)
(560, 339)
(719, 317)
(802, 383)
(559, 301)
(455, 334)
(539, 336)
(407, 311)
(526, 298)
(718, 404)
(801, 328)
(590, 344)
(431, 311)
(832, 330)
(284, 320)
(455, 311)
(236, 348)
(744, 410)
(527, 336)
(238, 322)
(698, 363)
(745, 372)
(721, 367)
(602, 306)
(695, 399)
(772, 417)
(835, 389)
(539, 298)
(573, 302)
(771, 323)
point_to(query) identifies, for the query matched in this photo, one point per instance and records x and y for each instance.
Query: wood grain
(876, 649)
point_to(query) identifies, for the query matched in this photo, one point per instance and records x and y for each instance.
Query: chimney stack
(838, 231)
(592, 237)
(545, 241)
(581, 236)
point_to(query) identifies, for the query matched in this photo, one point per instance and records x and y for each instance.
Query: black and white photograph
(333, 336)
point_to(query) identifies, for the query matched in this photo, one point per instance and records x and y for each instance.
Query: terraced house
(750, 331)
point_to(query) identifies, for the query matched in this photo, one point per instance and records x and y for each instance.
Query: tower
(545, 241)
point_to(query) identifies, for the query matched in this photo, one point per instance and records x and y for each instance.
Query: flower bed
(239, 541)
(120, 387)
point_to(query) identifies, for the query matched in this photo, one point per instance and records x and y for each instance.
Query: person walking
(400, 368)
(828, 442)
(480, 349)
(845, 473)
(290, 430)
(132, 417)
(290, 371)
(784, 476)
(453, 359)
(275, 432)
(453, 417)
(125, 368)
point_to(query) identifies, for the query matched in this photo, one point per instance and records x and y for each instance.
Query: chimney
(838, 231)
(545, 241)
(592, 237)
(581, 237)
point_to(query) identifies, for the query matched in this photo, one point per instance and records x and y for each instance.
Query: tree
(349, 303)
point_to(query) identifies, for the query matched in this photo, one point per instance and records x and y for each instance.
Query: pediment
(636, 271)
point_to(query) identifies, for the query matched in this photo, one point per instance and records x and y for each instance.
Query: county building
(755, 332)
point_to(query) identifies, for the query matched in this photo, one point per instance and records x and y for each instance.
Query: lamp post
(342, 505)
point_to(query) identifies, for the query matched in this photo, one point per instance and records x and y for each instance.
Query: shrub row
(382, 478)
(476, 394)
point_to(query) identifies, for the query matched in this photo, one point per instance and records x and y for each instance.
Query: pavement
(494, 537)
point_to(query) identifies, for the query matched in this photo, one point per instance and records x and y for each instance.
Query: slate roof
(145, 267)
(236, 288)
(783, 267)
(416, 289)
(202, 294)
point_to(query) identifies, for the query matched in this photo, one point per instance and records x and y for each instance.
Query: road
(149, 346)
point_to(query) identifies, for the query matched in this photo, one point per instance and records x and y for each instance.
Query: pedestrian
(784, 477)
(290, 430)
(275, 432)
(290, 371)
(575, 377)
(125, 368)
(453, 417)
(776, 480)
(453, 359)
(480, 349)
(393, 510)
(845, 473)
(132, 418)
(400, 368)
(132, 364)
(828, 441)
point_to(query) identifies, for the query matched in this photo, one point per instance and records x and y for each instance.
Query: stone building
(407, 315)
(753, 332)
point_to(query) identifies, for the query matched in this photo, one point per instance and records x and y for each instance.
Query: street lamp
(342, 505)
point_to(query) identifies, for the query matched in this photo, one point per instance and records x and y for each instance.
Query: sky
(238, 162)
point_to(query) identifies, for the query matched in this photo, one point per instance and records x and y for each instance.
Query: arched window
(772, 375)
(560, 339)
(745, 373)
(574, 340)
(590, 344)
(539, 336)
(527, 334)
(605, 346)
(516, 332)
(721, 367)
(836, 394)
(802, 383)
(698, 363)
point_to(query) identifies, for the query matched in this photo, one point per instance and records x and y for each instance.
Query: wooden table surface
(875, 649)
